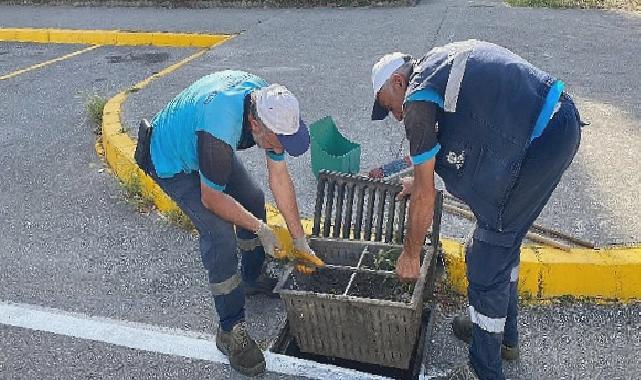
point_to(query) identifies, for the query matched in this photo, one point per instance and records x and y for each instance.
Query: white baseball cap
(278, 109)
(381, 72)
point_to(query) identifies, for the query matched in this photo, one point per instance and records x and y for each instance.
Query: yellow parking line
(49, 62)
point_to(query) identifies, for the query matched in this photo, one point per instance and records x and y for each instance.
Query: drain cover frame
(285, 344)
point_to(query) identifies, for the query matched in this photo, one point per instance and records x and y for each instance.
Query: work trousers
(219, 240)
(493, 255)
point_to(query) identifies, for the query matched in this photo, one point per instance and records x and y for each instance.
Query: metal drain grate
(359, 208)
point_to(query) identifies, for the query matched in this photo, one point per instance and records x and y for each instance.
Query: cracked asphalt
(70, 241)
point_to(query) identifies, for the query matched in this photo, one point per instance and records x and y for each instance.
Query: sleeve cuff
(425, 156)
(275, 156)
(210, 184)
(426, 95)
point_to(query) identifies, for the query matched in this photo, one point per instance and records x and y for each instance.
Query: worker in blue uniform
(190, 151)
(500, 133)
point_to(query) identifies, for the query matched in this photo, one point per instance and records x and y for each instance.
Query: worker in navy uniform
(190, 151)
(500, 133)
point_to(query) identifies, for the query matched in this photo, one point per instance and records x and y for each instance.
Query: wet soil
(380, 287)
(324, 281)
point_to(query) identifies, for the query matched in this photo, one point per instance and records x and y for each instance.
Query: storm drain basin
(355, 308)
(351, 311)
(285, 344)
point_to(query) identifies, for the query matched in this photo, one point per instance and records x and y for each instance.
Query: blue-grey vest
(491, 101)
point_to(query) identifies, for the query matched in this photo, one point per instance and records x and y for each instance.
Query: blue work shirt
(214, 104)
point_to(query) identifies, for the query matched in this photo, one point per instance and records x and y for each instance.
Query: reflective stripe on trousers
(514, 276)
(226, 286)
(492, 257)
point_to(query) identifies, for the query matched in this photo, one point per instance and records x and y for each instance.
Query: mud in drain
(285, 344)
(323, 282)
(373, 286)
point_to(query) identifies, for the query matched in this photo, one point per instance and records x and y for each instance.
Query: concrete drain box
(355, 308)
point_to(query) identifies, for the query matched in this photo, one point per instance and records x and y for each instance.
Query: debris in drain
(325, 281)
(375, 286)
(386, 259)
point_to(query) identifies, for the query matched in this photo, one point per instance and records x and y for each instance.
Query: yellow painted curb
(612, 273)
(119, 147)
(113, 37)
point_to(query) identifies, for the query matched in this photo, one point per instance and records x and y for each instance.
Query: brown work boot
(462, 327)
(244, 354)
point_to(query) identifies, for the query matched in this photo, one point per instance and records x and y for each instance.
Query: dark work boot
(462, 327)
(509, 353)
(242, 351)
(264, 285)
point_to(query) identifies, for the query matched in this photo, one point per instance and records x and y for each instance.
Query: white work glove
(270, 243)
(301, 244)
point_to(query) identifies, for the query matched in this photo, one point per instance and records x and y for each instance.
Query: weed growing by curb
(135, 195)
(95, 108)
(179, 218)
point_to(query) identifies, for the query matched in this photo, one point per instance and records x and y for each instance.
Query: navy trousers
(492, 256)
(219, 239)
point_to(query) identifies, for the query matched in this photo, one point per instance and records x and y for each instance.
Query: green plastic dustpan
(331, 150)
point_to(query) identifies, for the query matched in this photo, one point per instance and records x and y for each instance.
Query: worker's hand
(304, 256)
(408, 185)
(408, 268)
(270, 243)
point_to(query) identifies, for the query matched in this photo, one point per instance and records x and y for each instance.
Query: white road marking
(152, 338)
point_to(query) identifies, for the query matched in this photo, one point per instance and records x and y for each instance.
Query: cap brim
(379, 112)
(298, 143)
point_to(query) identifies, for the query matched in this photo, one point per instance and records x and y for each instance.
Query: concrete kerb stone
(607, 274)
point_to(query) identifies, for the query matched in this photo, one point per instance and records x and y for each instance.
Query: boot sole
(250, 371)
(223, 350)
(253, 371)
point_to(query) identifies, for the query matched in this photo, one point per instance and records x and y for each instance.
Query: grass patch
(95, 108)
(135, 196)
(630, 5)
(179, 218)
(145, 204)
